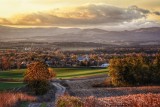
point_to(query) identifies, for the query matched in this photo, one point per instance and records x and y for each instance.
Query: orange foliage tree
(37, 77)
(5, 63)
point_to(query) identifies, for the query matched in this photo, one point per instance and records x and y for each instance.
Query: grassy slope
(78, 72)
(9, 85)
(14, 74)
(61, 73)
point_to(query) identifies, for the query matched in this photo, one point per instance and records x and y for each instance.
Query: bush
(69, 101)
(134, 70)
(37, 77)
(106, 83)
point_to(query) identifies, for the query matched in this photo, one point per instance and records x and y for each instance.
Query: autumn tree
(5, 63)
(131, 70)
(156, 69)
(37, 77)
(52, 72)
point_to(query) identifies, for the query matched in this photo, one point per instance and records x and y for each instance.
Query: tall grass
(138, 100)
(11, 99)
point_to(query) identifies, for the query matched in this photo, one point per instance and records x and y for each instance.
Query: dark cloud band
(92, 14)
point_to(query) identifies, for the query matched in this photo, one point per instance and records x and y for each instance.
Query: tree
(5, 63)
(156, 69)
(37, 77)
(132, 70)
(52, 73)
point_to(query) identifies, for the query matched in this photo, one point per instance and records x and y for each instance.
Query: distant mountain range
(53, 34)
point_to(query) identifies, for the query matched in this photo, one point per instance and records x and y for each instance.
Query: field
(12, 74)
(8, 79)
(67, 73)
(9, 85)
(83, 88)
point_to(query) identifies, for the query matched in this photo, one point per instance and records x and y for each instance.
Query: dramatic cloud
(157, 13)
(144, 11)
(86, 15)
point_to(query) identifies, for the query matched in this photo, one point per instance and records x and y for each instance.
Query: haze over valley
(143, 36)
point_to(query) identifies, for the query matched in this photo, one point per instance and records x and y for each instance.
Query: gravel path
(60, 90)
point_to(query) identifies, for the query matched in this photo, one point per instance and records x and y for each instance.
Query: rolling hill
(54, 34)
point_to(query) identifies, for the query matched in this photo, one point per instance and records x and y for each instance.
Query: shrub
(69, 101)
(106, 83)
(37, 77)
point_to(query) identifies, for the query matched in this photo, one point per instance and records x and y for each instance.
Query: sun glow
(69, 13)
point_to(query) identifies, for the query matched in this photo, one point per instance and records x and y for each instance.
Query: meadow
(14, 78)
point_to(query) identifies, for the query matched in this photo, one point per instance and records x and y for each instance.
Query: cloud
(4, 21)
(85, 15)
(144, 11)
(157, 13)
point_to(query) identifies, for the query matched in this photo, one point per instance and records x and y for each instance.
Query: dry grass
(85, 83)
(85, 88)
(11, 99)
(139, 100)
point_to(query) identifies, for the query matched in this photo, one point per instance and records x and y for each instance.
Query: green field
(63, 73)
(13, 74)
(9, 85)
(66, 73)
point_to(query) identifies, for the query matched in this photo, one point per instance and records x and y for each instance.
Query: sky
(105, 14)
